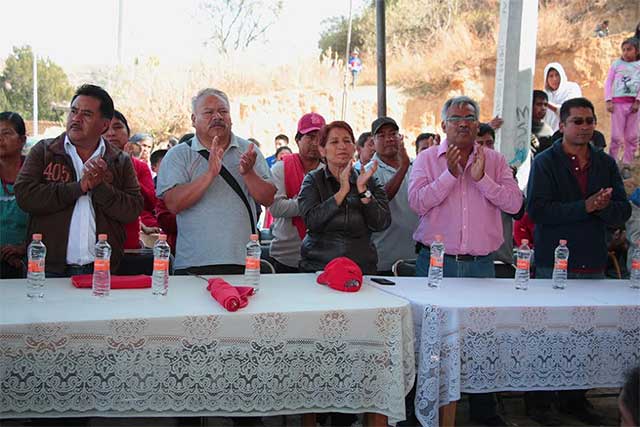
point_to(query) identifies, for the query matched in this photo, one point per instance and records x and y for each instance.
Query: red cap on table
(342, 274)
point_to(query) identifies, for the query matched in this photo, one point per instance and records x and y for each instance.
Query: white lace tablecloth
(298, 347)
(482, 335)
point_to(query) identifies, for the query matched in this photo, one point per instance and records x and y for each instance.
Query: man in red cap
(288, 227)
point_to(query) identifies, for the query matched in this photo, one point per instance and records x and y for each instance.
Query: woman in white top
(559, 89)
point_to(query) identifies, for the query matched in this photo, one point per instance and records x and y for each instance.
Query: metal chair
(404, 267)
(266, 267)
(503, 270)
(140, 261)
(616, 264)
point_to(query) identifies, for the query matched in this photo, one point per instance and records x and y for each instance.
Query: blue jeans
(547, 272)
(481, 267)
(354, 77)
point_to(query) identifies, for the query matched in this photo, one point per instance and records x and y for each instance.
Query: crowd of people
(209, 189)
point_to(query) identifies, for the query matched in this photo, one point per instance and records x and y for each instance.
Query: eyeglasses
(579, 121)
(456, 119)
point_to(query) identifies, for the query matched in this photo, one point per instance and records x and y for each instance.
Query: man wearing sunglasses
(575, 191)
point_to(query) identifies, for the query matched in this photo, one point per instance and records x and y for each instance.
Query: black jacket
(556, 205)
(345, 230)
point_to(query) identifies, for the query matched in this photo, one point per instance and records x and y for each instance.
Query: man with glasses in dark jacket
(575, 191)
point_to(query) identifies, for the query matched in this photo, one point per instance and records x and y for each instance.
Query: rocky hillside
(458, 58)
(586, 62)
(262, 117)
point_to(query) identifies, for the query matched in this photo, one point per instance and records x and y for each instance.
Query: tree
(16, 85)
(236, 24)
(408, 23)
(334, 37)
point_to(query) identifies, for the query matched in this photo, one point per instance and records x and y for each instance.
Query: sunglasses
(579, 121)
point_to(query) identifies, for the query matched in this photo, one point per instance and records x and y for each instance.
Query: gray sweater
(285, 246)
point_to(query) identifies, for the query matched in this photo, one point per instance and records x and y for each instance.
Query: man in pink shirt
(458, 189)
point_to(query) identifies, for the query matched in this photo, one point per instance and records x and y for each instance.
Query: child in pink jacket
(622, 93)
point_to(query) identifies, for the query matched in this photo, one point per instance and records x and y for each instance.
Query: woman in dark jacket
(341, 208)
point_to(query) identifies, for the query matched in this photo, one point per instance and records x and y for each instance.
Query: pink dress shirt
(465, 212)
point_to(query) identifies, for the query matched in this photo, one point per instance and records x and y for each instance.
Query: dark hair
(281, 149)
(185, 137)
(254, 141)
(606, 21)
(425, 135)
(546, 78)
(282, 136)
(635, 42)
(106, 103)
(486, 129)
(565, 110)
(156, 156)
(630, 391)
(362, 139)
(326, 129)
(119, 116)
(422, 137)
(637, 35)
(16, 121)
(537, 94)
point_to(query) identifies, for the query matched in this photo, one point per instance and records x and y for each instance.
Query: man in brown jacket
(77, 186)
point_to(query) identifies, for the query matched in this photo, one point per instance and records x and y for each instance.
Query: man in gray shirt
(213, 221)
(396, 242)
(288, 227)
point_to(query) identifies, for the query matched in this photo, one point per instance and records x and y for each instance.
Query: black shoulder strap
(229, 179)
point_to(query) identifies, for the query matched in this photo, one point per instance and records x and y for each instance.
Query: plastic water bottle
(252, 263)
(436, 262)
(36, 253)
(102, 267)
(523, 264)
(161, 253)
(635, 266)
(560, 265)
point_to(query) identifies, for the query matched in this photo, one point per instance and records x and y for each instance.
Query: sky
(76, 33)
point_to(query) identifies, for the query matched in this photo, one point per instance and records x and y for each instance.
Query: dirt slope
(585, 60)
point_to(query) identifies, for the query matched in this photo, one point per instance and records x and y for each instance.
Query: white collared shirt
(82, 230)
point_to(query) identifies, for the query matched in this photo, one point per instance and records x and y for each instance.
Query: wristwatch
(365, 195)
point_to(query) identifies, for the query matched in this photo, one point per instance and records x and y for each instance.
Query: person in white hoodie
(559, 89)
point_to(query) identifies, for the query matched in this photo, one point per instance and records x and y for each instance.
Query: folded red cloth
(117, 282)
(230, 297)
